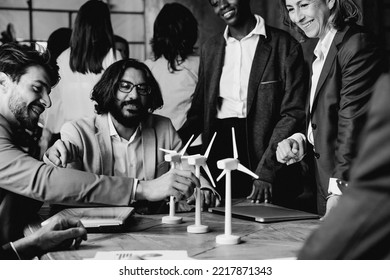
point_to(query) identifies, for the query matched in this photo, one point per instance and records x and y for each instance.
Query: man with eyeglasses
(124, 138)
(251, 77)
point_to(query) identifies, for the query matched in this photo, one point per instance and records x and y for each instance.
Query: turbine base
(224, 239)
(172, 220)
(197, 229)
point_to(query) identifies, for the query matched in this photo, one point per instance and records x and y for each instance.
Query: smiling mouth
(131, 107)
(37, 110)
(228, 14)
(307, 24)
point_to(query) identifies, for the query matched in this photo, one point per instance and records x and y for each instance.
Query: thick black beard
(129, 122)
(21, 113)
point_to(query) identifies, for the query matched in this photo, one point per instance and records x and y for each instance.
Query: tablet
(97, 217)
(264, 213)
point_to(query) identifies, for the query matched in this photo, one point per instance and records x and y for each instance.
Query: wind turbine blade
(221, 175)
(183, 151)
(206, 155)
(247, 171)
(167, 151)
(235, 153)
(206, 168)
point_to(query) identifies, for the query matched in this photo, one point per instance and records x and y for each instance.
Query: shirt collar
(323, 45)
(113, 132)
(258, 30)
(111, 126)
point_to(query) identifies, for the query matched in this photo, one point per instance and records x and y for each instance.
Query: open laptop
(265, 213)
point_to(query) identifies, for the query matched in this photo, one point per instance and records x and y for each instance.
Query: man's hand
(261, 191)
(208, 198)
(61, 153)
(58, 234)
(290, 151)
(179, 183)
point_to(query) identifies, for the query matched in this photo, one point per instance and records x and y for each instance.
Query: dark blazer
(6, 252)
(351, 68)
(276, 97)
(359, 228)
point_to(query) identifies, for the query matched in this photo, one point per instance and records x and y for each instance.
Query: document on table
(145, 255)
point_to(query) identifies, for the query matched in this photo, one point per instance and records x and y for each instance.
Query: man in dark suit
(359, 228)
(251, 78)
(348, 62)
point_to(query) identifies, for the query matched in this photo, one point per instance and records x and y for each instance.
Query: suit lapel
(149, 148)
(329, 62)
(259, 63)
(216, 62)
(104, 144)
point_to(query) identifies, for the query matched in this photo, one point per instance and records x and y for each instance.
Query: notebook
(97, 217)
(264, 213)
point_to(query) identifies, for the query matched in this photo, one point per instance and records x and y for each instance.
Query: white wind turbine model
(200, 161)
(175, 159)
(228, 165)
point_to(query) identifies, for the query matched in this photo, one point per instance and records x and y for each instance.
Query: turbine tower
(227, 165)
(175, 160)
(200, 161)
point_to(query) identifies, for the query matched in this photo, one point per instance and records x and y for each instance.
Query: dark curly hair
(16, 58)
(104, 92)
(175, 33)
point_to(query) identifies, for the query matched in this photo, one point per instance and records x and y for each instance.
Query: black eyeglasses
(142, 89)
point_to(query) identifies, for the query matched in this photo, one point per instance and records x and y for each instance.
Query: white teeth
(307, 24)
(228, 14)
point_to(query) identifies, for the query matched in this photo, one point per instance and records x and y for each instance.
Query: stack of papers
(144, 255)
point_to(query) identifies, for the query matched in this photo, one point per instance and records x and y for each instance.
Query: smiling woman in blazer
(251, 77)
(347, 64)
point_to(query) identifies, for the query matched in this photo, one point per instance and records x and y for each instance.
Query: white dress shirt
(233, 86)
(128, 155)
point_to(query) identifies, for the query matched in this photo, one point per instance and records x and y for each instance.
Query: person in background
(174, 63)
(122, 46)
(251, 78)
(358, 227)
(91, 51)
(59, 234)
(58, 41)
(26, 79)
(348, 63)
(124, 138)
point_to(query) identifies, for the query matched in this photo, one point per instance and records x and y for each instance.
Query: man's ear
(3, 81)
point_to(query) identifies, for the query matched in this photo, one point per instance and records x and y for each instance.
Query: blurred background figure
(91, 51)
(58, 41)
(174, 63)
(122, 46)
(8, 35)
